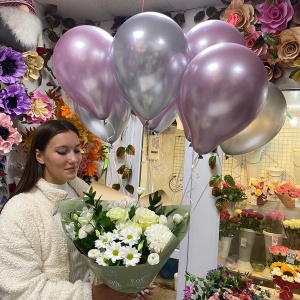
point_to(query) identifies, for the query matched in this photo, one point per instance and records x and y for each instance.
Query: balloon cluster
(208, 77)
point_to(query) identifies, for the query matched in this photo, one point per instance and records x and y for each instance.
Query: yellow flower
(238, 211)
(271, 186)
(254, 182)
(258, 192)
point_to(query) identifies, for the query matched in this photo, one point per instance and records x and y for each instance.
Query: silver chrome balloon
(263, 128)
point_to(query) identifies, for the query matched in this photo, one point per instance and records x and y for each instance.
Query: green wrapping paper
(132, 279)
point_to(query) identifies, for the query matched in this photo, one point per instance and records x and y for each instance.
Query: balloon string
(113, 130)
(143, 4)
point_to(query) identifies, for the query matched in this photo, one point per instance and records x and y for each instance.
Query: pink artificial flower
(215, 296)
(8, 134)
(274, 18)
(188, 292)
(251, 37)
(244, 297)
(40, 109)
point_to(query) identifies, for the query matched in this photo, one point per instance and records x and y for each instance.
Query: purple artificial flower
(274, 18)
(14, 100)
(12, 65)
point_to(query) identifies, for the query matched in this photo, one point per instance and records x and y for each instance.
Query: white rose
(94, 253)
(145, 217)
(88, 228)
(118, 214)
(163, 220)
(153, 259)
(177, 219)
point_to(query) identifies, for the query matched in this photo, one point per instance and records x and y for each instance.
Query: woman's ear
(39, 156)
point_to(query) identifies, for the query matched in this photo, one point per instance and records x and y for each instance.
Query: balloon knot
(190, 145)
(200, 156)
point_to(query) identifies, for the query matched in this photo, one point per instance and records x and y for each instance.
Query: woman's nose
(73, 156)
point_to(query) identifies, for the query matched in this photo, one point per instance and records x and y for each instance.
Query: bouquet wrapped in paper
(124, 244)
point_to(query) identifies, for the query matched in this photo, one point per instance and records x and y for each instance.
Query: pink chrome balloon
(82, 66)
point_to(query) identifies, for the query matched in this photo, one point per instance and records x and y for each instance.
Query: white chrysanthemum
(94, 253)
(125, 203)
(82, 233)
(114, 251)
(101, 261)
(158, 236)
(104, 240)
(287, 278)
(131, 256)
(153, 259)
(163, 220)
(276, 272)
(297, 278)
(129, 236)
(136, 226)
(70, 228)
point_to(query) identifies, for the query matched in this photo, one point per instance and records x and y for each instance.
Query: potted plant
(250, 223)
(227, 192)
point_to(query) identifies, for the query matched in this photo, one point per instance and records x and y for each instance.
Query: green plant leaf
(216, 191)
(295, 75)
(126, 173)
(271, 2)
(121, 169)
(129, 188)
(229, 180)
(120, 152)
(215, 180)
(116, 186)
(259, 42)
(130, 150)
(272, 39)
(212, 161)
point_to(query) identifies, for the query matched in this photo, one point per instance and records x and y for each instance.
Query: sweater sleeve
(21, 271)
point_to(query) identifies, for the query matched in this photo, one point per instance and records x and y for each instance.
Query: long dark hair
(33, 170)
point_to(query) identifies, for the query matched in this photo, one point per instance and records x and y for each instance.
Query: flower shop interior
(241, 180)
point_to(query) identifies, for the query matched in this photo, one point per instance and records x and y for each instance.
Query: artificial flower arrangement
(273, 221)
(221, 283)
(124, 244)
(228, 224)
(226, 191)
(292, 230)
(287, 192)
(249, 219)
(261, 188)
(287, 277)
(271, 30)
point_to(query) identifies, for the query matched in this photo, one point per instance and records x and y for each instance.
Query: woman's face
(61, 158)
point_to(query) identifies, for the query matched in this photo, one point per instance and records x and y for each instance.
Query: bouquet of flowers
(287, 277)
(228, 224)
(286, 192)
(249, 219)
(273, 221)
(226, 191)
(221, 283)
(261, 188)
(124, 244)
(292, 230)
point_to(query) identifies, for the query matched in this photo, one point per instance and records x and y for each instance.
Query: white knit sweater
(34, 261)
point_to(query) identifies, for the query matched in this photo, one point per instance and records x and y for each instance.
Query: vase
(246, 243)
(293, 238)
(224, 247)
(261, 200)
(230, 207)
(272, 239)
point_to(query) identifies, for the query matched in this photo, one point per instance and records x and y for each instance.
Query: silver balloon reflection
(108, 130)
(263, 129)
(149, 57)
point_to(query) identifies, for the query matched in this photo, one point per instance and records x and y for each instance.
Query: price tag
(274, 241)
(291, 257)
(243, 242)
(220, 248)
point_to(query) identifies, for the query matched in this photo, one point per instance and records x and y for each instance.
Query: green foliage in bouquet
(226, 190)
(221, 283)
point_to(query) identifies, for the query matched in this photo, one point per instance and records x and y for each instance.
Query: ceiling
(105, 10)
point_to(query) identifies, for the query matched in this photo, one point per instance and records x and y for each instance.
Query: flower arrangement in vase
(287, 192)
(226, 191)
(221, 283)
(228, 224)
(249, 219)
(292, 230)
(273, 221)
(280, 253)
(261, 188)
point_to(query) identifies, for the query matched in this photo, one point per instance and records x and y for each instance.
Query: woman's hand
(147, 293)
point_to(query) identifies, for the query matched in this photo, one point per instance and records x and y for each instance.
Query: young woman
(37, 260)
